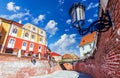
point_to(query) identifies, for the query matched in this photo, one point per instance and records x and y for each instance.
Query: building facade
(55, 56)
(25, 40)
(4, 31)
(106, 62)
(88, 45)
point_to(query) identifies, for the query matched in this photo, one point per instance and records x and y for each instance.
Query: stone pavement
(64, 74)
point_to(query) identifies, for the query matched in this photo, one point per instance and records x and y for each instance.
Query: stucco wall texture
(14, 67)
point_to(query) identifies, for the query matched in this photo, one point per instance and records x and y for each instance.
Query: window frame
(15, 30)
(11, 43)
(26, 35)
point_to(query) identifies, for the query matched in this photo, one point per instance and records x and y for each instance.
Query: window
(33, 36)
(41, 32)
(26, 34)
(28, 26)
(31, 45)
(14, 30)
(34, 28)
(83, 47)
(41, 40)
(11, 43)
(39, 47)
(24, 43)
(90, 45)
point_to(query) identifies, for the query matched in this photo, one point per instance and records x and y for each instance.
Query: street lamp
(77, 14)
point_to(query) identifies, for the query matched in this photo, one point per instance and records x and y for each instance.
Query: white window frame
(31, 48)
(26, 37)
(24, 47)
(41, 40)
(39, 48)
(32, 37)
(11, 43)
(14, 31)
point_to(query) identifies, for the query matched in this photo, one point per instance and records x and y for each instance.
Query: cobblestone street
(64, 74)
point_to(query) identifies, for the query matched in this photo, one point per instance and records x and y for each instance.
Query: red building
(25, 40)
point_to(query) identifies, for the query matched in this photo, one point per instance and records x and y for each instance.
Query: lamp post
(77, 14)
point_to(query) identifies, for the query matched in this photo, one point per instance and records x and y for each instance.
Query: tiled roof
(87, 39)
(54, 54)
(10, 21)
(70, 56)
(6, 20)
(17, 24)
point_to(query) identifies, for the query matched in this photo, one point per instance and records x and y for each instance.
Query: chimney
(20, 21)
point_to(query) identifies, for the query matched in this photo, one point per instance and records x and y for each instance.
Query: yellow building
(35, 36)
(4, 31)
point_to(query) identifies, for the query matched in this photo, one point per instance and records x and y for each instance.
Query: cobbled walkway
(64, 74)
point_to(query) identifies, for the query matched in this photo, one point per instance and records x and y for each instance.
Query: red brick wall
(106, 62)
(13, 67)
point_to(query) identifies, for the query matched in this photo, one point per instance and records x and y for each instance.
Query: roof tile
(87, 38)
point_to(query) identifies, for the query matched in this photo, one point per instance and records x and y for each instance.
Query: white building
(88, 45)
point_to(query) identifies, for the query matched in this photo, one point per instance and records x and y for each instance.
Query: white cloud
(40, 18)
(60, 7)
(64, 44)
(26, 18)
(68, 21)
(12, 7)
(96, 5)
(91, 5)
(51, 27)
(16, 15)
(61, 10)
(95, 15)
(61, 2)
(83, 0)
(66, 30)
(90, 20)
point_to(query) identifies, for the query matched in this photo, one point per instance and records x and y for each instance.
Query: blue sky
(52, 16)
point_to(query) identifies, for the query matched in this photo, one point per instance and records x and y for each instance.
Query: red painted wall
(18, 45)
